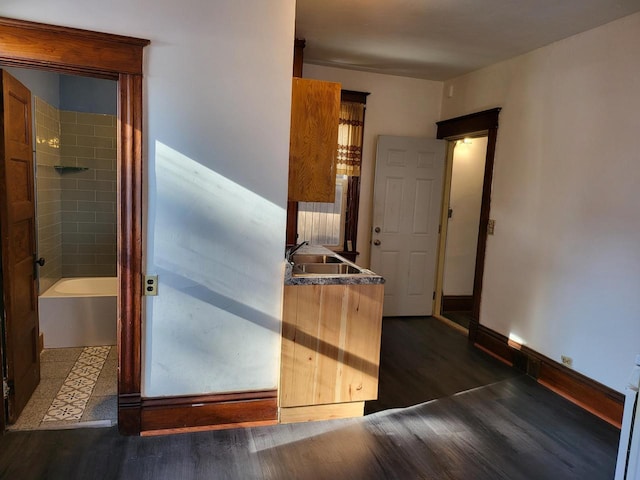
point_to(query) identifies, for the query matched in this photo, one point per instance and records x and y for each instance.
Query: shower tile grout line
(71, 400)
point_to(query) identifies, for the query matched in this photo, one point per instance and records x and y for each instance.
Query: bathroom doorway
(69, 50)
(74, 124)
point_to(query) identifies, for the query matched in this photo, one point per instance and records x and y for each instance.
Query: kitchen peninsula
(332, 322)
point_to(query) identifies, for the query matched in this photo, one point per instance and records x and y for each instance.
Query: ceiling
(441, 39)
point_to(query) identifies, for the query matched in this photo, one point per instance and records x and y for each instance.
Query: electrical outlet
(151, 285)
(567, 361)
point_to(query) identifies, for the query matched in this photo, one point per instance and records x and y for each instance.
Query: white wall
(217, 109)
(462, 231)
(562, 270)
(397, 106)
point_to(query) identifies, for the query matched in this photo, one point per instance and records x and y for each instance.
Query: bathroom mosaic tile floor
(72, 398)
(77, 389)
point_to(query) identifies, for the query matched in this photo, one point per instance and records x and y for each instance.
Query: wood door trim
(292, 207)
(354, 96)
(130, 253)
(298, 56)
(456, 128)
(69, 50)
(351, 220)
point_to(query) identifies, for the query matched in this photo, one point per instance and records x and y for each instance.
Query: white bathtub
(79, 312)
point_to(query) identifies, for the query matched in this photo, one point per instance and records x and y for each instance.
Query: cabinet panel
(331, 344)
(329, 411)
(315, 111)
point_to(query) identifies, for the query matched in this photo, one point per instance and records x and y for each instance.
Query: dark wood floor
(462, 318)
(422, 359)
(507, 428)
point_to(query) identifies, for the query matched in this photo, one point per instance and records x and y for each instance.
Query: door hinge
(5, 388)
(434, 295)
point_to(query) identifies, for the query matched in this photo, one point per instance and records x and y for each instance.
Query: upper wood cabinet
(315, 110)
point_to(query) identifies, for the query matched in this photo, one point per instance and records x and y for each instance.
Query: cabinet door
(315, 110)
(330, 344)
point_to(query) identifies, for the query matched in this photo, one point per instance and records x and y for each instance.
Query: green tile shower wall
(76, 211)
(49, 201)
(88, 198)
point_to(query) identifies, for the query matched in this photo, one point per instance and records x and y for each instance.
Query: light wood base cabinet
(330, 348)
(330, 411)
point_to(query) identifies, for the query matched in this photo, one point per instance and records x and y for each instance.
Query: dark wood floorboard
(462, 318)
(507, 428)
(422, 359)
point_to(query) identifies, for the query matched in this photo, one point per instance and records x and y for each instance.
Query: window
(334, 225)
(323, 223)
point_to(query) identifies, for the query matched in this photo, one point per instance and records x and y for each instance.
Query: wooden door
(17, 230)
(406, 212)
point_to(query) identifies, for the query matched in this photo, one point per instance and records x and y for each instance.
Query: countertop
(366, 277)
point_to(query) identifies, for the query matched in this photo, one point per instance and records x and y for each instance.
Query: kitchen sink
(310, 258)
(325, 269)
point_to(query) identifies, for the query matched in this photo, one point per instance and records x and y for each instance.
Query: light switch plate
(150, 285)
(491, 227)
(567, 361)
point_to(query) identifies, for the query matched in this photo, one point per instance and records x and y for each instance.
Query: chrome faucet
(294, 249)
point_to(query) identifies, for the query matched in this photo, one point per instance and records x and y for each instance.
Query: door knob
(40, 262)
(376, 242)
(377, 229)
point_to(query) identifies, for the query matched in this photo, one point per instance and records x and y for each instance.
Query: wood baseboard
(457, 303)
(593, 396)
(229, 410)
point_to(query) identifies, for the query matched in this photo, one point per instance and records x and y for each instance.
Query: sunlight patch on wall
(199, 348)
(213, 232)
(218, 250)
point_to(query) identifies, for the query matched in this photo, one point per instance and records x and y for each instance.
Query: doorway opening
(74, 122)
(461, 256)
(73, 51)
(465, 176)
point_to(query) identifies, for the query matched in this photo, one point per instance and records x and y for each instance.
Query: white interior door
(406, 213)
